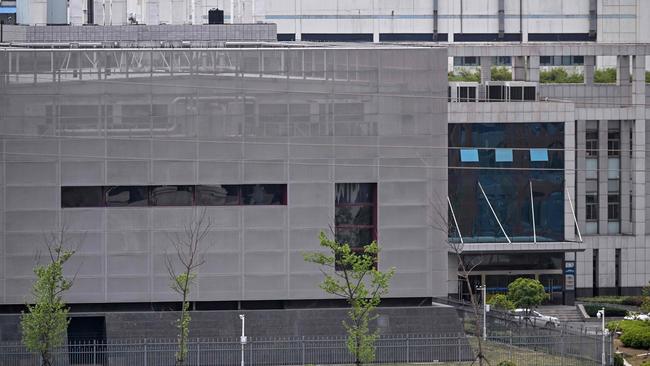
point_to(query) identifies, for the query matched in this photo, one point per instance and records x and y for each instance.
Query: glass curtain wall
(516, 164)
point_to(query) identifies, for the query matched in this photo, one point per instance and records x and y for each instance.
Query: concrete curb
(582, 310)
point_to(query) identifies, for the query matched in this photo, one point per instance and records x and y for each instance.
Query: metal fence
(452, 349)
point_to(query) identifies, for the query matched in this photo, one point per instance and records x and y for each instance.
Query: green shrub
(592, 310)
(636, 333)
(559, 75)
(647, 77)
(618, 360)
(464, 75)
(500, 301)
(633, 300)
(645, 363)
(506, 363)
(605, 76)
(501, 74)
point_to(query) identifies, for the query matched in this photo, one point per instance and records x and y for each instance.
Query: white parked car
(536, 318)
(637, 316)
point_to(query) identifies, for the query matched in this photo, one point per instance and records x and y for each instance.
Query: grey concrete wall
(141, 33)
(307, 118)
(262, 323)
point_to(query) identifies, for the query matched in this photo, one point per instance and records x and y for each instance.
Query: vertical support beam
(298, 19)
(593, 19)
(590, 67)
(533, 69)
(626, 177)
(622, 70)
(580, 164)
(519, 68)
(486, 75)
(502, 18)
(569, 180)
(638, 145)
(435, 20)
(603, 127)
(486, 68)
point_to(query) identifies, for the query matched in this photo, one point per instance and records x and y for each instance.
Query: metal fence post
(145, 352)
(459, 348)
(94, 352)
(407, 348)
(303, 350)
(198, 352)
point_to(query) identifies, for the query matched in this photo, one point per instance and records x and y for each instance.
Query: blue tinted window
(503, 155)
(469, 155)
(538, 155)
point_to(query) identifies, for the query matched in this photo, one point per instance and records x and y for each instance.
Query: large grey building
(122, 145)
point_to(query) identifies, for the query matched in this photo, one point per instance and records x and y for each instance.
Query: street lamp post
(601, 315)
(485, 310)
(242, 340)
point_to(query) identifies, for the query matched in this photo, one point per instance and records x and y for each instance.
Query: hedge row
(592, 310)
(618, 300)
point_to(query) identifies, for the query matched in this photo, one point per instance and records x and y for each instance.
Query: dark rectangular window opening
(617, 271)
(592, 143)
(171, 195)
(121, 196)
(591, 200)
(355, 214)
(90, 196)
(174, 195)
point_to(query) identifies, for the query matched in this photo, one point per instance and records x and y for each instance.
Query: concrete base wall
(262, 323)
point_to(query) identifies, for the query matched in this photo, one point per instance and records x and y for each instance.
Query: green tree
(501, 302)
(353, 275)
(189, 255)
(526, 293)
(44, 326)
(645, 302)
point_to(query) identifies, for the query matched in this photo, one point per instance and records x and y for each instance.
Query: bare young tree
(444, 221)
(44, 326)
(182, 265)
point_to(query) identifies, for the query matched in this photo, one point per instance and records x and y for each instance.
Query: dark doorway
(86, 340)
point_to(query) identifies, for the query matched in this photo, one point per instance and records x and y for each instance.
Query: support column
(626, 177)
(603, 128)
(533, 69)
(580, 200)
(486, 68)
(590, 67)
(519, 68)
(638, 145)
(569, 179)
(622, 70)
(486, 75)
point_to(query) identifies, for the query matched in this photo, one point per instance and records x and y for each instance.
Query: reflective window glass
(217, 195)
(118, 196)
(81, 197)
(263, 194)
(591, 168)
(353, 215)
(172, 195)
(613, 168)
(538, 155)
(354, 193)
(469, 155)
(503, 155)
(355, 237)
